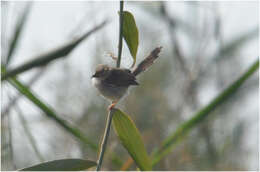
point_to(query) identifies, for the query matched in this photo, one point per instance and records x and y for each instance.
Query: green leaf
(17, 33)
(62, 165)
(49, 112)
(54, 54)
(131, 139)
(130, 34)
(183, 130)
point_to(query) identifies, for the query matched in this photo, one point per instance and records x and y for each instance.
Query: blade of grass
(28, 133)
(50, 113)
(51, 55)
(182, 131)
(17, 33)
(14, 100)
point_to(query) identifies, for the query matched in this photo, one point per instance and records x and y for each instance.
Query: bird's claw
(110, 107)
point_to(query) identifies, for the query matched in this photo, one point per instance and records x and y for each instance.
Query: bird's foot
(110, 107)
(112, 56)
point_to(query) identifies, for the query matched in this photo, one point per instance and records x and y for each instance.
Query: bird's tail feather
(148, 61)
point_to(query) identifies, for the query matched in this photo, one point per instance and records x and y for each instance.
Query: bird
(113, 83)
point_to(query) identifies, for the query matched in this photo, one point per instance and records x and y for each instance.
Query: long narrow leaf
(131, 139)
(50, 113)
(51, 55)
(29, 134)
(183, 130)
(18, 30)
(62, 165)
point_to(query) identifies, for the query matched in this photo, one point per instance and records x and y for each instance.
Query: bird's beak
(93, 76)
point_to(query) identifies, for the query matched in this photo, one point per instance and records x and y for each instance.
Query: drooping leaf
(47, 57)
(131, 139)
(169, 143)
(49, 112)
(62, 165)
(130, 34)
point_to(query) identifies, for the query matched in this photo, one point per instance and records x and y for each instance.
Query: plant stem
(110, 115)
(120, 44)
(104, 141)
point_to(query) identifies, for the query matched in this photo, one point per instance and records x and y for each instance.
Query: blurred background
(206, 46)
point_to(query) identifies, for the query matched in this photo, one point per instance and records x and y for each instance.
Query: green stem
(110, 115)
(183, 130)
(104, 141)
(120, 44)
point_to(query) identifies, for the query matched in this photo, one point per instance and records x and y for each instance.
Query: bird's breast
(95, 82)
(109, 91)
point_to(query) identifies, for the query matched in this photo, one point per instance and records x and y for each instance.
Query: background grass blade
(17, 32)
(51, 113)
(50, 56)
(29, 134)
(62, 165)
(130, 34)
(173, 139)
(235, 44)
(48, 111)
(131, 139)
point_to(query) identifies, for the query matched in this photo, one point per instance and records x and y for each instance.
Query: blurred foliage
(167, 96)
(62, 165)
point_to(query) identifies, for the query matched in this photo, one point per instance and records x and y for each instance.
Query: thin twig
(173, 38)
(104, 141)
(10, 139)
(110, 115)
(28, 133)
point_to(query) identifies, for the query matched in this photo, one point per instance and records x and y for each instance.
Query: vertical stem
(29, 134)
(104, 141)
(110, 114)
(120, 44)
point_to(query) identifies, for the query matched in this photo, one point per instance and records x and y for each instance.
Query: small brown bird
(113, 83)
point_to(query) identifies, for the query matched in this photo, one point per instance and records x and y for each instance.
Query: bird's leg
(112, 56)
(112, 105)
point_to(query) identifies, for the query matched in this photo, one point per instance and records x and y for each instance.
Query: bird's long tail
(148, 61)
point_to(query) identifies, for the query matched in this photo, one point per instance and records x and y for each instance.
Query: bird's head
(102, 71)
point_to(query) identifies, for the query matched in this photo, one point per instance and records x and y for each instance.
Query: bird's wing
(121, 78)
